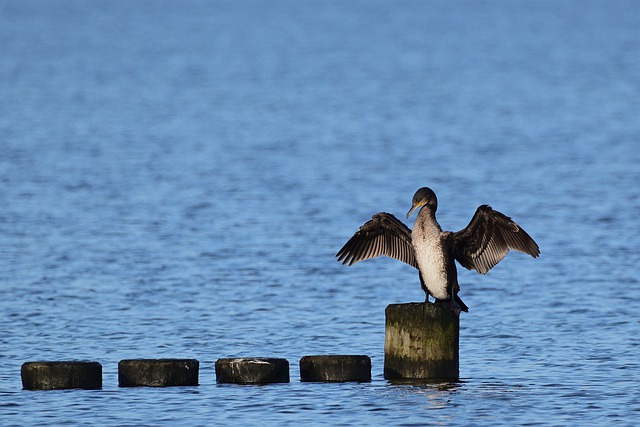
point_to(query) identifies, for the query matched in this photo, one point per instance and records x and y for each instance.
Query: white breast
(430, 257)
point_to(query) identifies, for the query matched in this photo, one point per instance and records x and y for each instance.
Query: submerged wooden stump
(61, 375)
(335, 368)
(421, 342)
(158, 372)
(252, 370)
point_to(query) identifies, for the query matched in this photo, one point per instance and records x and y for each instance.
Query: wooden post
(158, 372)
(335, 368)
(421, 342)
(252, 370)
(61, 375)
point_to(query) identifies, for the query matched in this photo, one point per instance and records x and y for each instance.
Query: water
(176, 177)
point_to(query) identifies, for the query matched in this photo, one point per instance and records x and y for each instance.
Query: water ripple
(177, 180)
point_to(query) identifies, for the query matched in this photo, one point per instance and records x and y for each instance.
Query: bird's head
(424, 196)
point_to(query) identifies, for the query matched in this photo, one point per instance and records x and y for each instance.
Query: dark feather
(487, 240)
(383, 234)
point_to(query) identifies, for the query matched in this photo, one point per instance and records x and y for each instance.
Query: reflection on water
(433, 395)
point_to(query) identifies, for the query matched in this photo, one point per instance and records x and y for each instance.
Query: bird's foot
(453, 305)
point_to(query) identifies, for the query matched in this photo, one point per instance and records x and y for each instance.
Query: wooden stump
(61, 375)
(335, 368)
(253, 370)
(421, 342)
(158, 372)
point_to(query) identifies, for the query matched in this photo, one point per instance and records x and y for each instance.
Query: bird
(482, 244)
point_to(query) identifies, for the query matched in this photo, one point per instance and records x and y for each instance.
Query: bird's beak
(413, 207)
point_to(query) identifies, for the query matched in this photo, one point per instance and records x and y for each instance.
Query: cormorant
(478, 246)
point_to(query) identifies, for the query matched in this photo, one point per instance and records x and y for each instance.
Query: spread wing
(487, 239)
(383, 234)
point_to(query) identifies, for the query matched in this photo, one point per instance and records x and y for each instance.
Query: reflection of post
(421, 342)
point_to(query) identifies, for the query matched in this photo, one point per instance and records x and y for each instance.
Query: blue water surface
(177, 176)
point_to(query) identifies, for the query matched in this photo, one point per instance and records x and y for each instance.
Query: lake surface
(176, 178)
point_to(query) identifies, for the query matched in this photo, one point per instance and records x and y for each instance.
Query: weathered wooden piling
(252, 370)
(335, 368)
(421, 342)
(61, 375)
(158, 372)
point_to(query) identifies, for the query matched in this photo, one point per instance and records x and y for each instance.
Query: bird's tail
(462, 305)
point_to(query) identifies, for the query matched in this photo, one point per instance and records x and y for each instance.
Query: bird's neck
(427, 218)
